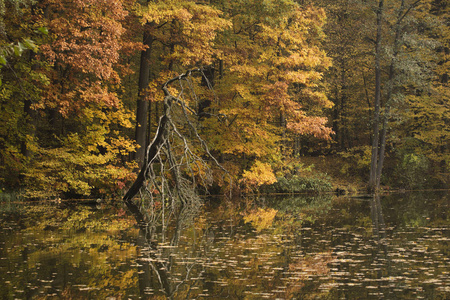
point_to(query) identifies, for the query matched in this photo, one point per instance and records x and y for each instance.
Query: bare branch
(175, 164)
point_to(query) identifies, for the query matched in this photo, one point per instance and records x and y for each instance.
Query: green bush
(298, 184)
(412, 171)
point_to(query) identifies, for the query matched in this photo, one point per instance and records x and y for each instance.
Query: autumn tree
(20, 84)
(269, 85)
(424, 126)
(176, 35)
(349, 80)
(85, 114)
(177, 161)
(405, 59)
(384, 57)
(69, 92)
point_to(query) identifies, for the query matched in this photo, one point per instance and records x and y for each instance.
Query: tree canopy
(81, 97)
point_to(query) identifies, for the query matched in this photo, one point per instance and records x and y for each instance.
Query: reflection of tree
(88, 255)
(158, 252)
(381, 258)
(378, 225)
(64, 252)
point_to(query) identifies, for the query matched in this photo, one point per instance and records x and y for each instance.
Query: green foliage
(14, 46)
(413, 171)
(356, 160)
(10, 202)
(294, 176)
(299, 184)
(301, 209)
(21, 80)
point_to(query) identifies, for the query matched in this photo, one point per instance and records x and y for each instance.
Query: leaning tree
(177, 161)
(164, 198)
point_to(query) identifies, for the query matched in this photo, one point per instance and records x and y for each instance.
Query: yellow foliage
(259, 174)
(189, 26)
(85, 161)
(271, 84)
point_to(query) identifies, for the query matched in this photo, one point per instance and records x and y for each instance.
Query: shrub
(298, 184)
(412, 171)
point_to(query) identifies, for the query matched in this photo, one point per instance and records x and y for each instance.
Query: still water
(322, 247)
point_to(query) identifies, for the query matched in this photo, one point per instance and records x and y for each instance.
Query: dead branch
(176, 162)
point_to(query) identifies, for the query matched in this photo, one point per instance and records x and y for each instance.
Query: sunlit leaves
(73, 67)
(16, 50)
(273, 69)
(189, 28)
(88, 161)
(85, 43)
(82, 153)
(259, 174)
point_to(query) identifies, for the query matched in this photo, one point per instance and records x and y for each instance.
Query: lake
(285, 247)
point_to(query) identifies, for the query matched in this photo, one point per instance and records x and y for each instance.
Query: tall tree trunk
(390, 89)
(336, 118)
(376, 114)
(381, 154)
(142, 103)
(344, 137)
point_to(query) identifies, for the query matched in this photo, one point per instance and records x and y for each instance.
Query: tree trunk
(153, 150)
(376, 114)
(382, 148)
(30, 127)
(336, 118)
(344, 136)
(142, 103)
(390, 90)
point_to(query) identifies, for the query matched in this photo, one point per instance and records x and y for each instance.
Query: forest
(256, 96)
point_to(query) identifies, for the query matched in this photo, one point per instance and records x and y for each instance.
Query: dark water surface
(323, 247)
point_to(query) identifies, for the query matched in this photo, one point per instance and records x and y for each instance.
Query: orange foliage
(271, 81)
(84, 46)
(307, 267)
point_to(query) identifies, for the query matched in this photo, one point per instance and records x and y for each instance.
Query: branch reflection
(172, 258)
(381, 261)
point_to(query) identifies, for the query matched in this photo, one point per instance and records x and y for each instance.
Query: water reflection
(163, 268)
(394, 261)
(319, 248)
(362, 264)
(49, 252)
(393, 247)
(381, 260)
